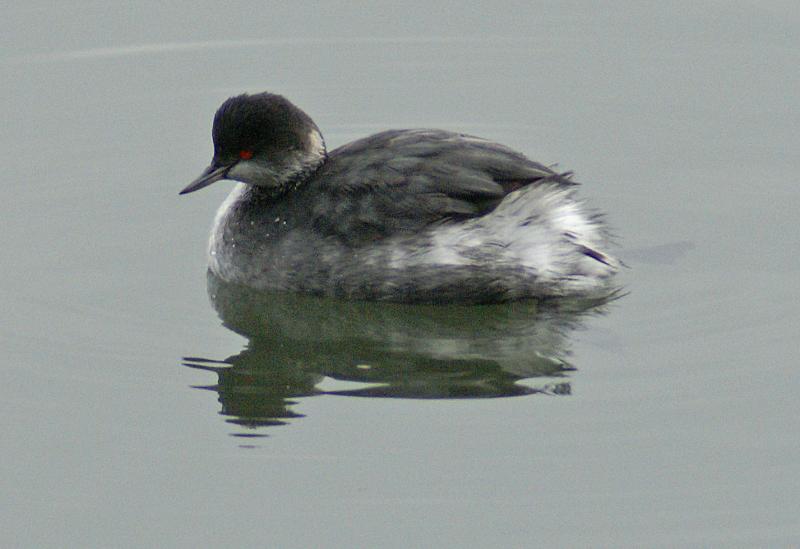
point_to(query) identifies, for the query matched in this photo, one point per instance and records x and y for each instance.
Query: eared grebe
(403, 215)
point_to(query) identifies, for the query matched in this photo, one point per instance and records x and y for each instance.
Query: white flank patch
(539, 227)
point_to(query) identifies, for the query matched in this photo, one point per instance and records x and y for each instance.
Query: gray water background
(681, 426)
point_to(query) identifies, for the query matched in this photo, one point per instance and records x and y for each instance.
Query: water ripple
(136, 50)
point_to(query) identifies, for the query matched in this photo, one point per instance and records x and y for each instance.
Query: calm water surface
(141, 413)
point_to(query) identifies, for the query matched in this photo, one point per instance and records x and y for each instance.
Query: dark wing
(399, 181)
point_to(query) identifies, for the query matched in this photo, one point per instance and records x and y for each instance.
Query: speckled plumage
(403, 215)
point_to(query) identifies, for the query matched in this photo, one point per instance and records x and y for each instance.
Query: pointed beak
(210, 175)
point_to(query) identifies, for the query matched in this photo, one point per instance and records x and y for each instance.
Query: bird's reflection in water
(399, 351)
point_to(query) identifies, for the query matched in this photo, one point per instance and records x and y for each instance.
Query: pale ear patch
(317, 144)
(253, 172)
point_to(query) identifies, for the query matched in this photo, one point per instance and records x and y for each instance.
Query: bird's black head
(262, 140)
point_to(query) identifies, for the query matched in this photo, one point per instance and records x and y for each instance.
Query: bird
(404, 215)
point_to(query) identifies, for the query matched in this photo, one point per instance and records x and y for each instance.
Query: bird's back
(400, 181)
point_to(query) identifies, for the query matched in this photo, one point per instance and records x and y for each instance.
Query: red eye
(245, 155)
